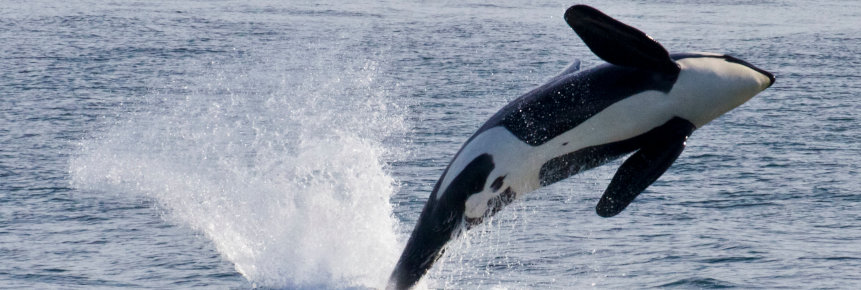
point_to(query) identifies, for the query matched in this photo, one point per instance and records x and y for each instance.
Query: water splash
(282, 168)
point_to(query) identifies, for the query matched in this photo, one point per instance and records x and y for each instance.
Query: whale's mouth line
(733, 59)
(729, 58)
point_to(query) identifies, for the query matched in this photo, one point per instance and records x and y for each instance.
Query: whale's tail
(436, 226)
(442, 219)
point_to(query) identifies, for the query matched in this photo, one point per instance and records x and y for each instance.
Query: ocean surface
(240, 144)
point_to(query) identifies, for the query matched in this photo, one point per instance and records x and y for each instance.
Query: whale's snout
(765, 73)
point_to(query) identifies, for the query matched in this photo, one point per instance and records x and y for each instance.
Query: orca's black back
(562, 104)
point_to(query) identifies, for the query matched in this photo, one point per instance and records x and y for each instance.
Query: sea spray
(282, 168)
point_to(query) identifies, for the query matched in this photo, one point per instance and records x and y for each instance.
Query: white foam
(284, 173)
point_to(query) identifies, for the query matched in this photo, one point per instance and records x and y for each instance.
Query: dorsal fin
(572, 67)
(618, 43)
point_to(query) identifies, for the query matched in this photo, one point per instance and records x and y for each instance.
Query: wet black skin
(636, 63)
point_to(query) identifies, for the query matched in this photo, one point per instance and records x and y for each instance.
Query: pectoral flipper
(645, 166)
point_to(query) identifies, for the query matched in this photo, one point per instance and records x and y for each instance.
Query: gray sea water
(240, 144)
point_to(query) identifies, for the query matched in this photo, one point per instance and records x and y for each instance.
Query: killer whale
(644, 101)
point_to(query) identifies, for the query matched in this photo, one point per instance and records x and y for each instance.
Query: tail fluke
(425, 246)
